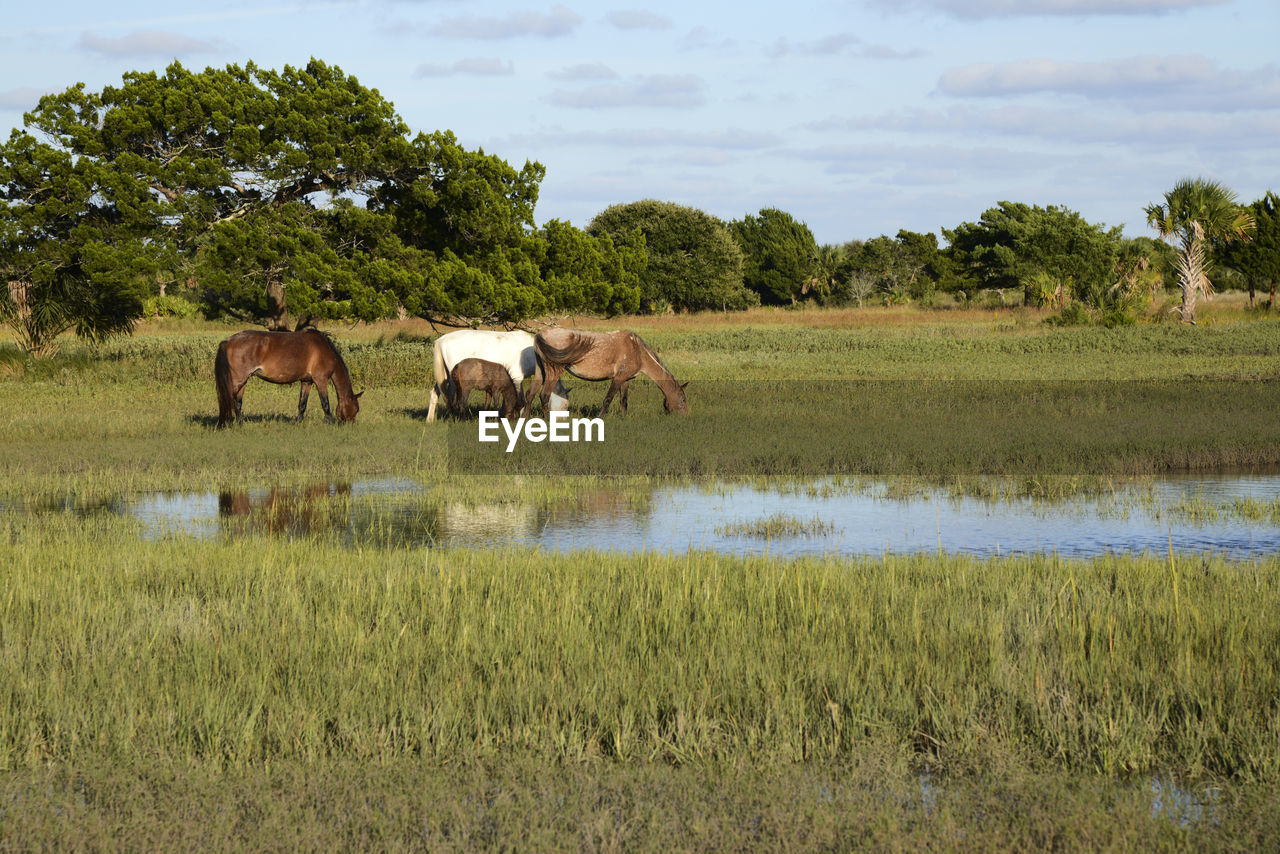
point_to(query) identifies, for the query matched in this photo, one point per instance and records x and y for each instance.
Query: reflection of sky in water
(866, 524)
(679, 518)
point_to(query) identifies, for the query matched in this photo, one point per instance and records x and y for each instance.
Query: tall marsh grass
(261, 650)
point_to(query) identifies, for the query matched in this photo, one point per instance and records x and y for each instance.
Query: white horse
(512, 350)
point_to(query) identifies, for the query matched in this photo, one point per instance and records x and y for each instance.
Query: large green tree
(1194, 212)
(1013, 243)
(271, 192)
(74, 253)
(223, 143)
(235, 161)
(583, 272)
(1257, 259)
(778, 255)
(693, 262)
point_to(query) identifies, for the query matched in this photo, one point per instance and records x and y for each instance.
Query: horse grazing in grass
(489, 377)
(615, 356)
(512, 350)
(307, 356)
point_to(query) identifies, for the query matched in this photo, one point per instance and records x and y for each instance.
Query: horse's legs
(550, 376)
(322, 388)
(526, 403)
(456, 398)
(623, 397)
(237, 396)
(608, 396)
(302, 398)
(431, 406)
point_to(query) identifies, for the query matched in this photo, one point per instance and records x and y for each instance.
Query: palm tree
(1197, 210)
(827, 259)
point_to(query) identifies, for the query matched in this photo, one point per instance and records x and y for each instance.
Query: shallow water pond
(1237, 515)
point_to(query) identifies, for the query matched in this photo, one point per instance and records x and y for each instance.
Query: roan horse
(308, 357)
(512, 350)
(490, 377)
(615, 356)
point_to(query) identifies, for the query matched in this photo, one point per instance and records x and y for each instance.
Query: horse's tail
(439, 371)
(439, 380)
(560, 357)
(222, 379)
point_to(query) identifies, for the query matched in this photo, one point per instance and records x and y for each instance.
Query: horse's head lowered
(349, 407)
(676, 400)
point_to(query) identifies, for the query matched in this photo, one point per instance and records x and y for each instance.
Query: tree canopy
(73, 251)
(1013, 242)
(693, 260)
(779, 255)
(267, 192)
(910, 265)
(1257, 259)
(1195, 212)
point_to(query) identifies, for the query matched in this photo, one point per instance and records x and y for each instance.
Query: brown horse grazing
(615, 356)
(308, 357)
(489, 377)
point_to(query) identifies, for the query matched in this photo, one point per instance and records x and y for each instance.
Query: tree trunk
(1191, 272)
(277, 308)
(37, 331)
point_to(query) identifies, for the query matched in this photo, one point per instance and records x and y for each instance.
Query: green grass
(778, 526)
(927, 395)
(879, 802)
(258, 650)
(390, 697)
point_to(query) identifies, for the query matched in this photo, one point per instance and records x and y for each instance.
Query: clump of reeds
(779, 526)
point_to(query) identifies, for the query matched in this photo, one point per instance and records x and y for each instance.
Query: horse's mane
(652, 352)
(328, 339)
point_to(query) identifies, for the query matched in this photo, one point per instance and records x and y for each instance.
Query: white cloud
(632, 19)
(146, 43)
(22, 98)
(1148, 132)
(1144, 82)
(836, 44)
(560, 21)
(655, 90)
(585, 71)
(888, 160)
(977, 9)
(735, 139)
(469, 67)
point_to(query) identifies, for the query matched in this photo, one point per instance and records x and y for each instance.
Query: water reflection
(865, 520)
(311, 510)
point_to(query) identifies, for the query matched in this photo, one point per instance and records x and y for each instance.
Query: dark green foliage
(909, 265)
(582, 271)
(1257, 260)
(223, 143)
(467, 202)
(73, 248)
(289, 260)
(1012, 242)
(693, 260)
(239, 186)
(778, 255)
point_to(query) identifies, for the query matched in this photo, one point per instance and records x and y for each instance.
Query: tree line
(278, 197)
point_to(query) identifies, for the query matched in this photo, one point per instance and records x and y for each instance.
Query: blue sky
(859, 117)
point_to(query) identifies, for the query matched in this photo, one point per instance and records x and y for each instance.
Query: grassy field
(265, 693)
(880, 391)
